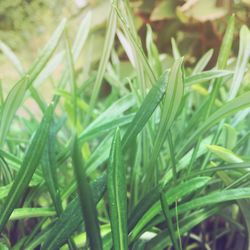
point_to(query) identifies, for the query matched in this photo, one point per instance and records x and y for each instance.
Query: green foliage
(147, 152)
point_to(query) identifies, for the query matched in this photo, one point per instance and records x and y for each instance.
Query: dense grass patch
(142, 153)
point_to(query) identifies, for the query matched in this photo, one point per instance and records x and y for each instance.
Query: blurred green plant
(139, 150)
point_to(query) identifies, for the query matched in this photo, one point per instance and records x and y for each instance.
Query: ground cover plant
(143, 153)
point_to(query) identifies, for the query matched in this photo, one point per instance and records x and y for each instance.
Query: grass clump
(160, 161)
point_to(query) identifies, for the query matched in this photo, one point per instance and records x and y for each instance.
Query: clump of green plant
(160, 161)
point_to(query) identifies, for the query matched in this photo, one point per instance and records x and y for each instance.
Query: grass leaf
(117, 195)
(28, 167)
(71, 218)
(148, 106)
(89, 212)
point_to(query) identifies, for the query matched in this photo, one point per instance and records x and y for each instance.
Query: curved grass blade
(72, 80)
(81, 36)
(162, 240)
(145, 211)
(17, 93)
(214, 198)
(47, 52)
(72, 218)
(12, 57)
(25, 213)
(206, 76)
(147, 108)
(100, 129)
(242, 59)
(172, 101)
(30, 162)
(49, 169)
(166, 212)
(224, 154)
(227, 109)
(126, 21)
(108, 44)
(117, 195)
(10, 106)
(153, 53)
(224, 54)
(175, 51)
(89, 212)
(226, 45)
(211, 199)
(202, 63)
(4, 190)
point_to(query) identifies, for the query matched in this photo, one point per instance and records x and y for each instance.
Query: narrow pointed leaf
(117, 195)
(17, 93)
(231, 107)
(202, 63)
(206, 76)
(72, 218)
(147, 108)
(172, 101)
(166, 212)
(30, 163)
(89, 212)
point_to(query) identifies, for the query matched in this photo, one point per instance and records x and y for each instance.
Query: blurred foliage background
(196, 25)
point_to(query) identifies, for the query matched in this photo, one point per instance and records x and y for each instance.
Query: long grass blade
(17, 93)
(227, 109)
(117, 195)
(30, 162)
(241, 64)
(166, 212)
(108, 43)
(89, 212)
(148, 106)
(72, 218)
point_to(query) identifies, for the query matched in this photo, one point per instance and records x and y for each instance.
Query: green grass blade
(227, 109)
(172, 101)
(28, 167)
(224, 54)
(72, 79)
(81, 36)
(77, 46)
(71, 218)
(166, 212)
(1, 94)
(206, 76)
(224, 154)
(226, 45)
(203, 62)
(10, 106)
(49, 165)
(241, 64)
(17, 93)
(150, 206)
(153, 54)
(17, 64)
(162, 240)
(128, 27)
(100, 129)
(108, 44)
(147, 108)
(117, 195)
(175, 50)
(12, 57)
(4, 190)
(47, 52)
(89, 212)
(214, 198)
(25, 213)
(211, 199)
